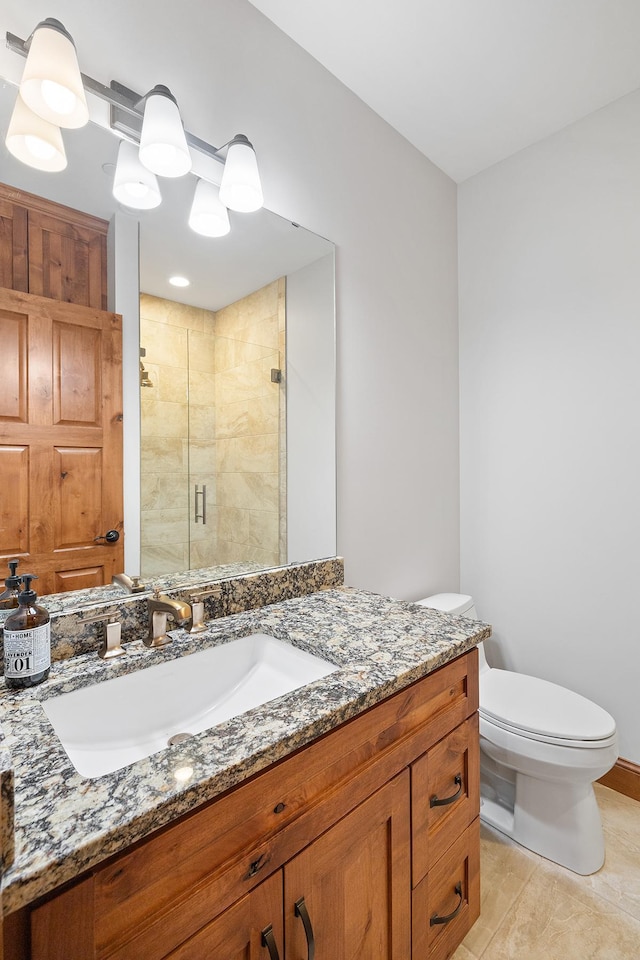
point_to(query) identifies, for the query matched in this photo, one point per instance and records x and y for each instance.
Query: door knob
(111, 536)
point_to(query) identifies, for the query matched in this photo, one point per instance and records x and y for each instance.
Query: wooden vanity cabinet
(333, 828)
(345, 895)
(51, 250)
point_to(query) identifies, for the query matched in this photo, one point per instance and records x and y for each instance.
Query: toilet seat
(539, 710)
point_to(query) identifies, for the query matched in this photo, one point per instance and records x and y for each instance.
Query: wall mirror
(234, 374)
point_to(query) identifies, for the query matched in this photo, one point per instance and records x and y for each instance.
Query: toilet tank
(457, 604)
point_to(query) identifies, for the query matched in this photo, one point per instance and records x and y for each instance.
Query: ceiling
(469, 82)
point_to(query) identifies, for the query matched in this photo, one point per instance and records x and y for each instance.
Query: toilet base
(559, 821)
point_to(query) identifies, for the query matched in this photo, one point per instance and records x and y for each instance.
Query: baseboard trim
(624, 777)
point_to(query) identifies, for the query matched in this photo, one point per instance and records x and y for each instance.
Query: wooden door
(60, 441)
(249, 930)
(353, 885)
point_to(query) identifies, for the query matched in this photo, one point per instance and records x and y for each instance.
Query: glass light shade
(35, 141)
(241, 189)
(134, 185)
(51, 83)
(163, 145)
(208, 216)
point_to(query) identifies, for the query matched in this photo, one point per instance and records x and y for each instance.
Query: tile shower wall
(165, 509)
(250, 461)
(212, 417)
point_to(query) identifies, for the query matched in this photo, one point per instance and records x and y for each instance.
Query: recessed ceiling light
(179, 281)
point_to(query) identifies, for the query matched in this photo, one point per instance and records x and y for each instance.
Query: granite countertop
(65, 823)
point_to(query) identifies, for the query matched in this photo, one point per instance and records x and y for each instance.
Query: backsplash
(240, 589)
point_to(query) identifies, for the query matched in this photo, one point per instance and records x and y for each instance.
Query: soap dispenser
(9, 597)
(27, 640)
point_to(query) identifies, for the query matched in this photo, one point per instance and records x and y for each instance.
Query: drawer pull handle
(269, 941)
(302, 912)
(435, 919)
(434, 802)
(256, 865)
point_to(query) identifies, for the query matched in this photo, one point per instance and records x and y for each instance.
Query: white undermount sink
(111, 724)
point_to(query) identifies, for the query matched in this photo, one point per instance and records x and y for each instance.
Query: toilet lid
(538, 707)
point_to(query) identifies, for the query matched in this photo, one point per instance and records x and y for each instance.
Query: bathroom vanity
(338, 820)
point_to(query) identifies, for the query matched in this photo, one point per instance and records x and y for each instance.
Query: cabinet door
(249, 930)
(348, 894)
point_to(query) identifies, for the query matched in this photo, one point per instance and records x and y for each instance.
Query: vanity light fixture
(35, 141)
(133, 185)
(163, 145)
(51, 83)
(240, 188)
(54, 90)
(209, 216)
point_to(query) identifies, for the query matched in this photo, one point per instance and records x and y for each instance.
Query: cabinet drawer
(446, 903)
(445, 794)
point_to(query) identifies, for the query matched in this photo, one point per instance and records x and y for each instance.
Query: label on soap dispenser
(27, 652)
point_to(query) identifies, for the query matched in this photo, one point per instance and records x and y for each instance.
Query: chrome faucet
(161, 607)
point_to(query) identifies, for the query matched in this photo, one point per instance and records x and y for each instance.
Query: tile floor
(535, 910)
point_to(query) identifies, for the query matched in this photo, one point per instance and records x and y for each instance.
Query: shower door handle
(202, 513)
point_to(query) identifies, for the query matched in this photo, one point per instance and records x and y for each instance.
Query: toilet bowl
(541, 748)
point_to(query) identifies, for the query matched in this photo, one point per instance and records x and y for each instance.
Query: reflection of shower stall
(213, 433)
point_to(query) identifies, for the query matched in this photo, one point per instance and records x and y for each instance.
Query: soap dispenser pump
(9, 597)
(27, 640)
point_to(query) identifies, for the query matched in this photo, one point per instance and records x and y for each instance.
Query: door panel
(66, 261)
(14, 476)
(77, 486)
(14, 272)
(61, 464)
(77, 366)
(13, 382)
(64, 580)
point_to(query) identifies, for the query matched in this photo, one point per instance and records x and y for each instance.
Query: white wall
(331, 164)
(550, 408)
(124, 298)
(311, 411)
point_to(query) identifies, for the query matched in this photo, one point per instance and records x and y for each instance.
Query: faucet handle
(197, 616)
(112, 646)
(111, 633)
(132, 584)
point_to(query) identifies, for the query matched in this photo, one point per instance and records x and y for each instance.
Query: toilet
(541, 748)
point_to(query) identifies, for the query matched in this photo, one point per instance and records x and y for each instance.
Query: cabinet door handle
(436, 919)
(302, 912)
(269, 941)
(434, 802)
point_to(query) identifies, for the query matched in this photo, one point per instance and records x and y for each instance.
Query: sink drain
(178, 738)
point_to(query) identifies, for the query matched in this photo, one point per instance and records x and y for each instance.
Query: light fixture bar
(126, 105)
